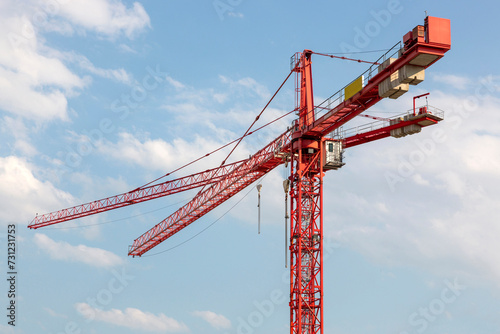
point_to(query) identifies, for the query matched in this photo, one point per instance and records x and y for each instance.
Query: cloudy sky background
(99, 97)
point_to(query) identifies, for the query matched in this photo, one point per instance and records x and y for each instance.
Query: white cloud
(16, 129)
(35, 81)
(110, 18)
(418, 179)
(32, 84)
(218, 321)
(223, 112)
(54, 313)
(443, 215)
(23, 195)
(133, 318)
(483, 154)
(452, 80)
(126, 49)
(245, 85)
(190, 103)
(64, 251)
(7, 329)
(232, 104)
(117, 74)
(175, 83)
(21, 94)
(157, 154)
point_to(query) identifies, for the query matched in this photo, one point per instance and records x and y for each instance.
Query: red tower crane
(310, 151)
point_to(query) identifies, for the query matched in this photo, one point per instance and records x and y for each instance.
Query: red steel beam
(243, 175)
(306, 240)
(384, 132)
(343, 111)
(306, 225)
(135, 196)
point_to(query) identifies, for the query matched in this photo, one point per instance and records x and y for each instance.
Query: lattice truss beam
(306, 275)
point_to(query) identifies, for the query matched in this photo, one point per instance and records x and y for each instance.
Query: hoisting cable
(211, 224)
(286, 188)
(250, 127)
(216, 150)
(259, 187)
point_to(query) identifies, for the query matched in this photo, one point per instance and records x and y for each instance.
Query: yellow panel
(353, 88)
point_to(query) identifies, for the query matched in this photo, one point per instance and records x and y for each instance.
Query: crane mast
(306, 192)
(310, 150)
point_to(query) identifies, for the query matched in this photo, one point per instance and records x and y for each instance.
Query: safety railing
(376, 125)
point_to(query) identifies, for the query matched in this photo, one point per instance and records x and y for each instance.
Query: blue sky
(99, 97)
